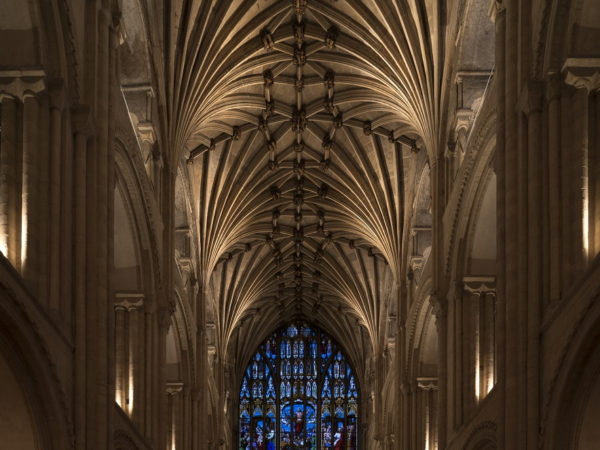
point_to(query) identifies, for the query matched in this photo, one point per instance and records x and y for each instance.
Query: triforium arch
(299, 390)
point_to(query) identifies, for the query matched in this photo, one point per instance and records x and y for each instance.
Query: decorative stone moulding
(479, 284)
(17, 82)
(129, 300)
(582, 73)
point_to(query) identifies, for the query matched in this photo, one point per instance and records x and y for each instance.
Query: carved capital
(129, 300)
(464, 119)
(582, 73)
(16, 83)
(479, 284)
(496, 8)
(427, 383)
(174, 387)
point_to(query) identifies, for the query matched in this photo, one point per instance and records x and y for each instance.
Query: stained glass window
(299, 392)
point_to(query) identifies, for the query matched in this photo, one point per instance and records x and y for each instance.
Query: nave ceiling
(296, 118)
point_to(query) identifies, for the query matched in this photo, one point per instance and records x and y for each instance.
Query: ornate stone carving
(582, 73)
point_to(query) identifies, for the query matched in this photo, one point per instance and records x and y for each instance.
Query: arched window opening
(299, 392)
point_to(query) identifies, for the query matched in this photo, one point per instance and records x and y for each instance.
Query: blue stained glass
(298, 392)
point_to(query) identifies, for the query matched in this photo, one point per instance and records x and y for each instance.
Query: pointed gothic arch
(299, 389)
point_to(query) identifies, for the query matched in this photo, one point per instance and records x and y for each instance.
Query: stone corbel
(427, 383)
(496, 7)
(464, 117)
(17, 82)
(174, 387)
(582, 73)
(129, 300)
(450, 150)
(146, 132)
(479, 284)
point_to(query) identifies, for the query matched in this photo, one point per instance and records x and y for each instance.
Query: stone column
(440, 311)
(458, 338)
(8, 182)
(554, 187)
(474, 369)
(149, 374)
(489, 352)
(480, 339)
(127, 352)
(499, 17)
(135, 353)
(595, 186)
(164, 322)
(57, 142)
(533, 109)
(83, 130)
(29, 196)
(174, 426)
(584, 75)
(428, 389)
(121, 356)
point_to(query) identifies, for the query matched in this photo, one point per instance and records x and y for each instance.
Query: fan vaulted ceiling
(296, 117)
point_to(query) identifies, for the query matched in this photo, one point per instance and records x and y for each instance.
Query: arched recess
(481, 239)
(573, 31)
(176, 379)
(127, 258)
(138, 85)
(133, 222)
(423, 373)
(42, 40)
(472, 266)
(483, 437)
(478, 288)
(33, 409)
(136, 276)
(420, 230)
(573, 411)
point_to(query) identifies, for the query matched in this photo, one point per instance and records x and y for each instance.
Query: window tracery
(298, 392)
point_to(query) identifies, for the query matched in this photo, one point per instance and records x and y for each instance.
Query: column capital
(479, 284)
(582, 73)
(496, 8)
(427, 383)
(174, 387)
(17, 83)
(129, 300)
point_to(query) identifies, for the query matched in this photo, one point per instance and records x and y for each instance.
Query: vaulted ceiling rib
(297, 116)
